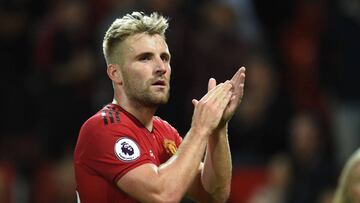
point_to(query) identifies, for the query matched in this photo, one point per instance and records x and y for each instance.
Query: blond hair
(129, 25)
(342, 193)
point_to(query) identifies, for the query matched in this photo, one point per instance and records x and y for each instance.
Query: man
(126, 154)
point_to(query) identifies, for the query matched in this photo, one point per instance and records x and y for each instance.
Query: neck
(143, 114)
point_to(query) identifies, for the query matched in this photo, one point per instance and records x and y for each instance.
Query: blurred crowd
(298, 123)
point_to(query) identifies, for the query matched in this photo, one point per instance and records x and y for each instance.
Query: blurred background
(298, 123)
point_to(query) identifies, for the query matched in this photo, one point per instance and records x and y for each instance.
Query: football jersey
(113, 142)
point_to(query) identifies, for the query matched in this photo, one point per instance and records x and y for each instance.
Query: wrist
(200, 131)
(221, 128)
(223, 125)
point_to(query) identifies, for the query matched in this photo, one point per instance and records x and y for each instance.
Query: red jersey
(113, 142)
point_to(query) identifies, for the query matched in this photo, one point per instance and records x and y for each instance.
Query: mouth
(159, 83)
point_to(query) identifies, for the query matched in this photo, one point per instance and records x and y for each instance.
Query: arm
(215, 176)
(170, 181)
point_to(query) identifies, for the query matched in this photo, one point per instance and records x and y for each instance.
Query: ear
(113, 71)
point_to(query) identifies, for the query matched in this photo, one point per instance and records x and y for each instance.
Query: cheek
(168, 72)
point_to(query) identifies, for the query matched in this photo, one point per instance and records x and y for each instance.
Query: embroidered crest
(170, 147)
(126, 149)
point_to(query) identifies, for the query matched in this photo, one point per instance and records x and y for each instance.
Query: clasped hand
(218, 106)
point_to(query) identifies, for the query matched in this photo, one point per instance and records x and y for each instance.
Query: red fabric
(7, 180)
(244, 182)
(98, 166)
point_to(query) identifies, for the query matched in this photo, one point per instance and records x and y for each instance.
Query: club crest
(126, 149)
(170, 147)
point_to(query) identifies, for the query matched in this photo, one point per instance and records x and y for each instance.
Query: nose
(160, 66)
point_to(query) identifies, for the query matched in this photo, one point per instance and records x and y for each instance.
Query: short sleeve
(112, 152)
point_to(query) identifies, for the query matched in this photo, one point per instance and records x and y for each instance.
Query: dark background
(298, 122)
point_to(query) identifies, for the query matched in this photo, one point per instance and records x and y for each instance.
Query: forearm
(177, 174)
(216, 174)
(171, 180)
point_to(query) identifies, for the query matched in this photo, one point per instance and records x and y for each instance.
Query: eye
(165, 57)
(144, 57)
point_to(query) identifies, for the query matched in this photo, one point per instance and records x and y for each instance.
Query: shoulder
(107, 117)
(163, 124)
(166, 129)
(107, 122)
(105, 129)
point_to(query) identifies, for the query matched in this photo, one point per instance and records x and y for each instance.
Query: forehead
(139, 43)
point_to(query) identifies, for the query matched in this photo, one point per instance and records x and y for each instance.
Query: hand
(209, 110)
(237, 81)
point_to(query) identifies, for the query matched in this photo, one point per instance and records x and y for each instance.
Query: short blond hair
(129, 25)
(342, 193)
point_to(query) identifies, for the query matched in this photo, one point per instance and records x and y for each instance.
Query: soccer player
(348, 188)
(126, 154)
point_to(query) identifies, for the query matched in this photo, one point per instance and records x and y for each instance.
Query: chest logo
(126, 149)
(170, 147)
(152, 154)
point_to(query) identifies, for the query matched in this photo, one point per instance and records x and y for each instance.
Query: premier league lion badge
(126, 149)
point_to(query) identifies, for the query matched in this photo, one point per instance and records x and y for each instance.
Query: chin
(161, 101)
(155, 101)
(162, 98)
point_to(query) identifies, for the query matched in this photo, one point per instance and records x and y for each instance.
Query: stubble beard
(146, 96)
(151, 99)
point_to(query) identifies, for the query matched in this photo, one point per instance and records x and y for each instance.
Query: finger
(195, 102)
(220, 93)
(237, 77)
(235, 80)
(211, 84)
(225, 100)
(217, 94)
(238, 85)
(239, 80)
(212, 92)
(242, 69)
(242, 75)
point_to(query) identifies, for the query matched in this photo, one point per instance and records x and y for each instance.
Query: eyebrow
(144, 54)
(151, 54)
(167, 54)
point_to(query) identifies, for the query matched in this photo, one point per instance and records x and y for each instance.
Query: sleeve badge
(126, 149)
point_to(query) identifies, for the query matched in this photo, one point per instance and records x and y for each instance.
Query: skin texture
(355, 184)
(141, 84)
(145, 60)
(216, 175)
(138, 74)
